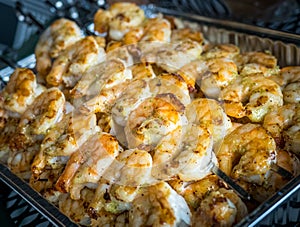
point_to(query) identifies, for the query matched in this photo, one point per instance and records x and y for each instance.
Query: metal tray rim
(229, 24)
(58, 219)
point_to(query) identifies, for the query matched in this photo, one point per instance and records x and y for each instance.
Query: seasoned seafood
(184, 153)
(76, 208)
(180, 34)
(210, 115)
(62, 140)
(45, 111)
(221, 72)
(122, 182)
(159, 204)
(152, 119)
(275, 182)
(172, 57)
(222, 207)
(194, 192)
(139, 90)
(165, 83)
(56, 38)
(74, 61)
(88, 163)
(257, 62)
(6, 134)
(283, 123)
(20, 92)
(247, 153)
(132, 168)
(101, 86)
(291, 82)
(213, 51)
(105, 203)
(118, 19)
(157, 30)
(291, 93)
(259, 93)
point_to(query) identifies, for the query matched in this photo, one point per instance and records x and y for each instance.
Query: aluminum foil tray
(281, 209)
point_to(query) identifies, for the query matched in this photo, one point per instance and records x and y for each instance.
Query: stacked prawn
(123, 127)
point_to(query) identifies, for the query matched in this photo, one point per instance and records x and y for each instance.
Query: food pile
(123, 127)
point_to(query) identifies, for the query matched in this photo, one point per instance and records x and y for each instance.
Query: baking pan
(284, 46)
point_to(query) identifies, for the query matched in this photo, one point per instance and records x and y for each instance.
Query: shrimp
(101, 86)
(19, 160)
(263, 62)
(283, 123)
(259, 93)
(152, 37)
(132, 169)
(192, 72)
(77, 209)
(105, 201)
(157, 204)
(195, 192)
(275, 182)
(290, 77)
(247, 154)
(104, 101)
(74, 61)
(187, 33)
(170, 83)
(88, 163)
(174, 56)
(196, 157)
(138, 90)
(211, 75)
(142, 71)
(6, 134)
(55, 39)
(44, 183)
(135, 93)
(46, 110)
(133, 36)
(290, 74)
(185, 154)
(291, 93)
(20, 91)
(222, 207)
(156, 38)
(292, 138)
(212, 51)
(156, 30)
(152, 119)
(254, 68)
(62, 140)
(122, 54)
(122, 182)
(209, 114)
(109, 219)
(221, 72)
(3, 113)
(118, 19)
(210, 202)
(280, 119)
